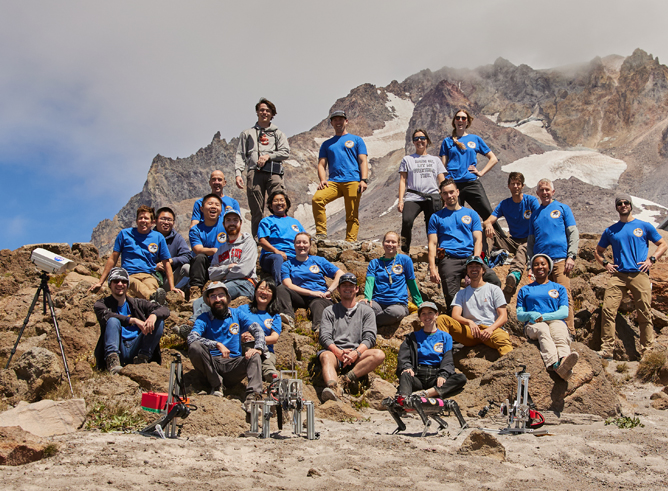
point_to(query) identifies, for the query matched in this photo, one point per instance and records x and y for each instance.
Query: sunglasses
(419, 138)
(624, 203)
(461, 118)
(119, 281)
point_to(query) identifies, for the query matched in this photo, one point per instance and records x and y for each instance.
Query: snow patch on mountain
(642, 211)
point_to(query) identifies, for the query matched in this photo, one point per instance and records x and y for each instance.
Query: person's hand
(137, 322)
(96, 287)
(240, 182)
(325, 294)
(251, 352)
(400, 207)
(485, 334)
(364, 300)
(489, 231)
(410, 371)
(643, 266)
(362, 187)
(474, 170)
(149, 324)
(475, 329)
(612, 268)
(340, 355)
(247, 337)
(440, 381)
(433, 275)
(223, 350)
(535, 317)
(322, 185)
(568, 266)
(262, 160)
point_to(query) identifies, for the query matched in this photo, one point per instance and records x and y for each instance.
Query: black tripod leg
(47, 295)
(25, 323)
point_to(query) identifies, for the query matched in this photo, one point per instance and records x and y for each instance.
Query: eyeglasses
(624, 203)
(461, 118)
(119, 281)
(419, 138)
(216, 296)
(164, 219)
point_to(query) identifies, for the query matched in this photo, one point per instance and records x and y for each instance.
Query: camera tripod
(43, 287)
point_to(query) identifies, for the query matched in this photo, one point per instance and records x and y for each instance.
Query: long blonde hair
(469, 118)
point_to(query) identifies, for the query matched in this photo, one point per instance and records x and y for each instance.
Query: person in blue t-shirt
(346, 157)
(543, 306)
(205, 238)
(459, 154)
(455, 233)
(517, 210)
(553, 231)
(629, 270)
(177, 245)
(217, 182)
(276, 234)
(140, 249)
(304, 284)
(262, 311)
(425, 362)
(386, 281)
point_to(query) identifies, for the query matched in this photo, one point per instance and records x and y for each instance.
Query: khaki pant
(142, 285)
(552, 338)
(641, 291)
(518, 247)
(258, 185)
(351, 198)
(500, 340)
(558, 276)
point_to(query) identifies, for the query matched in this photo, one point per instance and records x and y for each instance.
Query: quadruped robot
(425, 407)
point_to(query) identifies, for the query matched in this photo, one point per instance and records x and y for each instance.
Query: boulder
(659, 276)
(40, 368)
(216, 416)
(10, 385)
(150, 376)
(285, 350)
(627, 337)
(86, 251)
(380, 389)
(483, 444)
(46, 417)
(659, 400)
(402, 329)
(18, 447)
(336, 411)
(82, 370)
(305, 347)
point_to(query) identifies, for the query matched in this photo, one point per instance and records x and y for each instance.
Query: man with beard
(629, 238)
(214, 347)
(235, 260)
(217, 183)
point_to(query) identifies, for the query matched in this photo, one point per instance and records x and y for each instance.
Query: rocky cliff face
(615, 106)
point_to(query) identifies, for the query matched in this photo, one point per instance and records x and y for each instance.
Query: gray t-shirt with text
(480, 304)
(422, 172)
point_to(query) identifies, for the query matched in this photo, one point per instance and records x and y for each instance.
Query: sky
(91, 91)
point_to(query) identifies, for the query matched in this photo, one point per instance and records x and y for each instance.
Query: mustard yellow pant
(500, 339)
(142, 285)
(351, 198)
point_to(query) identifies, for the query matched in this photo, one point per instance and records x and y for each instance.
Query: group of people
(228, 344)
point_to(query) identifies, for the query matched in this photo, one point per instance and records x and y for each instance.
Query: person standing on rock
(478, 312)
(517, 210)
(261, 152)
(553, 232)
(177, 245)
(346, 156)
(276, 235)
(130, 328)
(304, 284)
(140, 249)
(386, 281)
(419, 177)
(348, 335)
(543, 306)
(629, 239)
(217, 182)
(425, 362)
(455, 234)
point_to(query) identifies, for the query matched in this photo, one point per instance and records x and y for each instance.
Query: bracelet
(358, 353)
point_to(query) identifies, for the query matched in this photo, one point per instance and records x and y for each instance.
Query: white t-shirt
(422, 172)
(480, 304)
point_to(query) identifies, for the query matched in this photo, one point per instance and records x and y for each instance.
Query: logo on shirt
(314, 269)
(438, 347)
(527, 214)
(234, 328)
(153, 248)
(349, 144)
(637, 232)
(466, 219)
(553, 293)
(555, 214)
(295, 227)
(264, 139)
(397, 269)
(268, 323)
(470, 144)
(222, 237)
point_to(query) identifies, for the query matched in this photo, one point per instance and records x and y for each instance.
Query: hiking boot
(254, 396)
(565, 368)
(159, 297)
(511, 285)
(320, 236)
(195, 293)
(287, 320)
(113, 363)
(216, 392)
(183, 330)
(141, 358)
(328, 394)
(606, 355)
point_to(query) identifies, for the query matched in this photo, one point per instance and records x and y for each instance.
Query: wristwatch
(653, 259)
(571, 256)
(605, 262)
(365, 180)
(358, 353)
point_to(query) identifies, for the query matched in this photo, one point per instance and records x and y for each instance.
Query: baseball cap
(212, 286)
(476, 260)
(118, 274)
(348, 278)
(338, 113)
(231, 210)
(429, 305)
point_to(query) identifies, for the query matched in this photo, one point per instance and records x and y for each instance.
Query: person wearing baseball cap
(346, 157)
(130, 328)
(478, 312)
(348, 336)
(629, 270)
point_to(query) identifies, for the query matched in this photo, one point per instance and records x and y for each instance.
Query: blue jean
(127, 350)
(271, 263)
(240, 288)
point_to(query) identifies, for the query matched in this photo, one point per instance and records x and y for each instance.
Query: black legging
(411, 210)
(288, 300)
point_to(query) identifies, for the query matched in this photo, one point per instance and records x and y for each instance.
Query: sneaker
(216, 392)
(328, 394)
(606, 355)
(320, 236)
(141, 358)
(511, 284)
(565, 369)
(195, 293)
(287, 320)
(254, 396)
(420, 393)
(159, 297)
(113, 363)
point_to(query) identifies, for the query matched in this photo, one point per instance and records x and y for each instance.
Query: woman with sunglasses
(420, 174)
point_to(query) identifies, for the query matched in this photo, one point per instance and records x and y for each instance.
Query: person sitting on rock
(386, 282)
(304, 284)
(214, 347)
(140, 248)
(629, 239)
(348, 335)
(543, 306)
(130, 328)
(177, 245)
(478, 312)
(276, 235)
(205, 238)
(425, 362)
(235, 260)
(262, 311)
(217, 182)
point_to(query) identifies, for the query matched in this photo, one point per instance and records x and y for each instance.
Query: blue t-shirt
(140, 252)
(309, 274)
(431, 347)
(280, 232)
(455, 230)
(459, 161)
(518, 215)
(206, 236)
(545, 299)
(548, 226)
(341, 153)
(269, 323)
(225, 331)
(227, 204)
(400, 269)
(629, 243)
(130, 332)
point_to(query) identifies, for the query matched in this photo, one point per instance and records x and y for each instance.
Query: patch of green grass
(622, 368)
(57, 279)
(387, 370)
(650, 365)
(360, 403)
(50, 450)
(116, 418)
(624, 422)
(173, 341)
